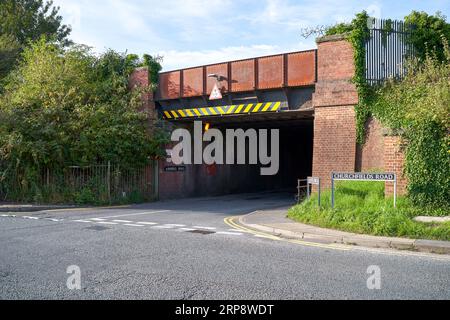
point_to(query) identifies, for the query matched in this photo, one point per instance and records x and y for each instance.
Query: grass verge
(362, 208)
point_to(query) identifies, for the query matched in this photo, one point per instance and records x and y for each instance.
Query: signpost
(313, 181)
(340, 176)
(175, 169)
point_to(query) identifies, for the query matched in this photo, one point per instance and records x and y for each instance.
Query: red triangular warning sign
(215, 93)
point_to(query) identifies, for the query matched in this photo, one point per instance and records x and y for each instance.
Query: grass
(362, 208)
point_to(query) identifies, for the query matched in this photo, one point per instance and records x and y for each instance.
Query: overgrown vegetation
(358, 33)
(427, 34)
(66, 106)
(362, 208)
(417, 106)
(61, 105)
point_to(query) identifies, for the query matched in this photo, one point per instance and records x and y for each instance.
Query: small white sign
(215, 94)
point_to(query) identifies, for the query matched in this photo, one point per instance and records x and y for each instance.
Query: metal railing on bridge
(388, 49)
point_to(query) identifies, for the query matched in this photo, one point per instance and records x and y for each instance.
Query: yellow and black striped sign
(223, 110)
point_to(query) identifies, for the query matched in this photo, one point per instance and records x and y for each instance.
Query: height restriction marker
(215, 94)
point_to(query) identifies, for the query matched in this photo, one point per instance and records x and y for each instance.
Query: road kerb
(429, 246)
(440, 247)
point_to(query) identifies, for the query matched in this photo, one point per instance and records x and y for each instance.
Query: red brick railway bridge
(307, 95)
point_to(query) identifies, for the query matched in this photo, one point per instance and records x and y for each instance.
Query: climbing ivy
(416, 106)
(358, 33)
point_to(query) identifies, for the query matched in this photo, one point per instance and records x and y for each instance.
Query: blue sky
(196, 32)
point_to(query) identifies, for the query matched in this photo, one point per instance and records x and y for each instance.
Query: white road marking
(31, 218)
(135, 214)
(97, 219)
(5, 215)
(148, 223)
(186, 229)
(230, 233)
(105, 222)
(54, 220)
(163, 227)
(83, 221)
(260, 236)
(133, 225)
(206, 228)
(123, 221)
(175, 225)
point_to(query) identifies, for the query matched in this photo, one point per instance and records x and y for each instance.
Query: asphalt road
(183, 250)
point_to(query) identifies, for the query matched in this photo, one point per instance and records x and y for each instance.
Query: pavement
(17, 207)
(276, 222)
(194, 249)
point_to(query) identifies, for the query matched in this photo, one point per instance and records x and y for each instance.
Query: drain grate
(203, 232)
(98, 228)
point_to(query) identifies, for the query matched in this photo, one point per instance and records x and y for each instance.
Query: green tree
(9, 51)
(153, 64)
(428, 31)
(65, 106)
(22, 21)
(31, 19)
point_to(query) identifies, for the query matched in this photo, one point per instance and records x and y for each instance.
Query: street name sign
(359, 176)
(175, 169)
(364, 176)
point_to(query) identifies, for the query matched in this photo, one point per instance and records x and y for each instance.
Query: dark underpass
(273, 92)
(295, 162)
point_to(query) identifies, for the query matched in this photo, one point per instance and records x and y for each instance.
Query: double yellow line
(230, 221)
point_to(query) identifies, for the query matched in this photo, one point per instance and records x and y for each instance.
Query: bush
(66, 106)
(419, 107)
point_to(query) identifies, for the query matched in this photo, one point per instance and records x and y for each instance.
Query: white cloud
(197, 32)
(184, 9)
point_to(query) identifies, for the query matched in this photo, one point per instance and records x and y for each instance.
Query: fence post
(48, 178)
(319, 193)
(156, 178)
(308, 190)
(108, 177)
(332, 191)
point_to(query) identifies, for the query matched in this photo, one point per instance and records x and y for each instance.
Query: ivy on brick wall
(417, 107)
(358, 33)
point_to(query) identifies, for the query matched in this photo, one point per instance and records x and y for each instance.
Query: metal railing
(302, 190)
(97, 183)
(388, 49)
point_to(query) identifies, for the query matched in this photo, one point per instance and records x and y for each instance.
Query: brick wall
(334, 141)
(394, 159)
(335, 70)
(140, 78)
(335, 59)
(334, 100)
(371, 155)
